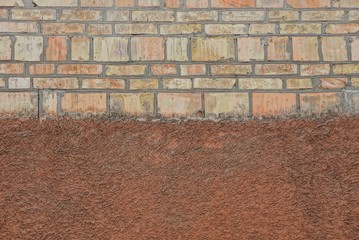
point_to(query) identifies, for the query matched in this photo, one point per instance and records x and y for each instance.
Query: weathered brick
(117, 15)
(19, 82)
(55, 3)
(300, 28)
(353, 15)
(196, 3)
(80, 15)
(96, 3)
(56, 49)
(28, 48)
(41, 69)
(99, 29)
(260, 83)
(177, 49)
(232, 3)
(11, 68)
(111, 49)
(334, 49)
(270, 3)
(132, 104)
(221, 29)
(179, 104)
(316, 103)
(193, 69)
(83, 103)
(215, 83)
(136, 28)
(305, 49)
(250, 49)
(231, 69)
(261, 29)
(4, 14)
(151, 83)
(2, 83)
(48, 104)
(11, 3)
(243, 16)
(153, 16)
(101, 83)
(322, 15)
(299, 83)
(177, 83)
(276, 69)
(330, 83)
(74, 69)
(147, 48)
(343, 28)
(346, 69)
(80, 48)
(346, 4)
(198, 16)
(283, 16)
(309, 3)
(18, 27)
(5, 48)
(212, 49)
(124, 3)
(172, 3)
(272, 104)
(164, 69)
(18, 104)
(126, 70)
(355, 82)
(226, 104)
(56, 83)
(355, 49)
(62, 28)
(33, 14)
(278, 48)
(314, 69)
(149, 3)
(180, 29)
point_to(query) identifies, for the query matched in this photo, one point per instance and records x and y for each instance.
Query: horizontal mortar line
(156, 62)
(151, 8)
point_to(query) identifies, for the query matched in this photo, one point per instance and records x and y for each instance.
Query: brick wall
(178, 58)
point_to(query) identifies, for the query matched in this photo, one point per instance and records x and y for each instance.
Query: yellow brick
(132, 104)
(143, 84)
(215, 83)
(226, 104)
(212, 49)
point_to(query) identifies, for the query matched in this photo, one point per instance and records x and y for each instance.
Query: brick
(276, 69)
(346, 69)
(308, 3)
(179, 104)
(132, 104)
(270, 3)
(261, 29)
(317, 103)
(11, 68)
(355, 82)
(226, 104)
(274, 104)
(314, 69)
(260, 83)
(212, 49)
(322, 15)
(352, 102)
(124, 3)
(56, 83)
(96, 3)
(283, 16)
(243, 16)
(231, 69)
(232, 3)
(300, 28)
(278, 48)
(177, 83)
(346, 4)
(299, 83)
(18, 27)
(126, 70)
(143, 84)
(136, 28)
(215, 83)
(56, 49)
(18, 104)
(99, 29)
(118, 16)
(172, 3)
(197, 4)
(41, 69)
(149, 3)
(355, 49)
(80, 49)
(180, 29)
(153, 16)
(19, 82)
(33, 14)
(333, 83)
(62, 28)
(353, 15)
(100, 83)
(4, 14)
(250, 49)
(55, 3)
(48, 104)
(334, 49)
(11, 3)
(83, 69)
(177, 49)
(164, 69)
(147, 48)
(343, 28)
(229, 29)
(111, 49)
(197, 16)
(193, 70)
(28, 48)
(2, 83)
(83, 103)
(305, 49)
(80, 15)
(5, 48)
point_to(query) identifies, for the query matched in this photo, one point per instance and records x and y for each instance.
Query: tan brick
(283, 16)
(62, 28)
(4, 14)
(193, 70)
(231, 69)
(261, 29)
(278, 48)
(18, 104)
(118, 15)
(49, 104)
(55, 3)
(177, 83)
(180, 29)
(132, 104)
(316, 103)
(305, 49)
(276, 69)
(196, 3)
(56, 83)
(99, 29)
(164, 69)
(212, 49)
(346, 69)
(111, 49)
(243, 16)
(300, 28)
(143, 84)
(221, 29)
(177, 49)
(334, 49)
(333, 83)
(11, 68)
(80, 48)
(314, 69)
(136, 28)
(355, 82)
(100, 83)
(41, 69)
(2, 83)
(270, 3)
(84, 103)
(172, 3)
(33, 14)
(197, 16)
(343, 28)
(308, 3)
(250, 49)
(153, 16)
(355, 49)
(260, 83)
(11, 3)
(232, 3)
(80, 15)
(5, 48)
(147, 48)
(346, 4)
(124, 3)
(299, 83)
(179, 104)
(74, 69)
(274, 104)
(353, 15)
(19, 82)
(149, 3)
(96, 3)
(56, 49)
(18, 27)
(215, 83)
(28, 48)
(322, 15)
(226, 104)
(126, 70)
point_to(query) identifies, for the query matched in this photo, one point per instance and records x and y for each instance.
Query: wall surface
(178, 58)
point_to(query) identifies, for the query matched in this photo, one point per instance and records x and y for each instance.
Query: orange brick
(85, 69)
(271, 104)
(124, 3)
(56, 83)
(172, 3)
(56, 49)
(11, 68)
(147, 48)
(164, 69)
(41, 69)
(84, 103)
(179, 104)
(309, 3)
(317, 103)
(305, 49)
(232, 3)
(193, 70)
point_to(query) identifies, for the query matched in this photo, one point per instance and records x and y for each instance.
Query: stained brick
(179, 104)
(18, 104)
(132, 104)
(212, 49)
(56, 49)
(111, 49)
(28, 48)
(316, 103)
(56, 83)
(272, 104)
(305, 49)
(226, 104)
(260, 83)
(83, 103)
(147, 48)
